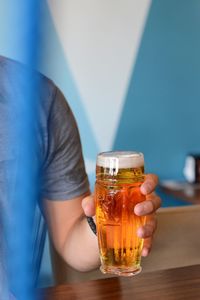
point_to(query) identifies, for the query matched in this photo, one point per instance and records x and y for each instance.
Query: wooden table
(174, 284)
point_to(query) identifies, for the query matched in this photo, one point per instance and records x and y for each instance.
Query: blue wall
(162, 110)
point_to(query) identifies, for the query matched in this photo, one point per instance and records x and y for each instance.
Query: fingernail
(138, 210)
(140, 233)
(145, 252)
(146, 188)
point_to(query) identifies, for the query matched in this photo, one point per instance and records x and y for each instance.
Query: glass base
(125, 272)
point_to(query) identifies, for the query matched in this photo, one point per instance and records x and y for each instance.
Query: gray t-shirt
(59, 151)
(58, 155)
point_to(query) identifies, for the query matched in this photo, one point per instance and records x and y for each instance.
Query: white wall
(100, 40)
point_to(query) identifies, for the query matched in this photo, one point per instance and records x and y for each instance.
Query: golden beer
(119, 176)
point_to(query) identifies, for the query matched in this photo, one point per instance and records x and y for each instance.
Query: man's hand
(148, 208)
(145, 208)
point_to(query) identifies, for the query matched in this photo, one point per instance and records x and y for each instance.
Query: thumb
(88, 206)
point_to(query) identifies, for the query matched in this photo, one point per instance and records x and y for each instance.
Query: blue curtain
(19, 171)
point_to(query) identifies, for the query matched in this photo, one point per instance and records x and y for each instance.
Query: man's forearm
(80, 249)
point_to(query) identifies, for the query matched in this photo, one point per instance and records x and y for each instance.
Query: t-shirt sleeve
(63, 174)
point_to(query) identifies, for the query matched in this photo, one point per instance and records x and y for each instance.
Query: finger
(147, 247)
(88, 206)
(147, 232)
(149, 184)
(148, 229)
(152, 203)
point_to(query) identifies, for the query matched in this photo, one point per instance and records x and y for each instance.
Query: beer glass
(119, 176)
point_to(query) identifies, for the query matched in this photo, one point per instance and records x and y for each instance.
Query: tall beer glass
(119, 176)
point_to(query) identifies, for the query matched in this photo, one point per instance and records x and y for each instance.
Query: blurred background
(130, 71)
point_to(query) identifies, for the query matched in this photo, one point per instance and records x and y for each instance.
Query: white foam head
(120, 159)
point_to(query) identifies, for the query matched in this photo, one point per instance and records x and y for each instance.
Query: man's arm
(71, 234)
